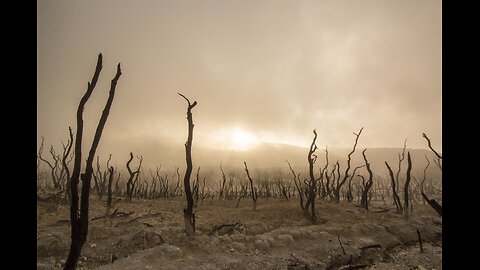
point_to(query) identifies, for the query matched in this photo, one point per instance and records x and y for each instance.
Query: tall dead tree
(367, 185)
(396, 199)
(312, 183)
(405, 188)
(188, 214)
(401, 158)
(307, 190)
(336, 191)
(131, 183)
(79, 216)
(254, 193)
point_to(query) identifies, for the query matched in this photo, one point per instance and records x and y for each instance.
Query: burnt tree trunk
(254, 193)
(439, 157)
(188, 214)
(109, 190)
(366, 188)
(310, 215)
(79, 219)
(68, 196)
(396, 199)
(349, 194)
(406, 187)
(401, 158)
(222, 184)
(434, 204)
(130, 179)
(298, 185)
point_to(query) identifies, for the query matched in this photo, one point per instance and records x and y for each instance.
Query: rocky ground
(148, 234)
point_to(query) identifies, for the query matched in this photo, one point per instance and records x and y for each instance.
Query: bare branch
(430, 146)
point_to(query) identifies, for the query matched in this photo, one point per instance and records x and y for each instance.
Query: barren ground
(150, 236)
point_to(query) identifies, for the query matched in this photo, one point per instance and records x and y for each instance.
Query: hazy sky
(261, 71)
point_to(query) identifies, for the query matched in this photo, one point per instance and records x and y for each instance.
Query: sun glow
(242, 140)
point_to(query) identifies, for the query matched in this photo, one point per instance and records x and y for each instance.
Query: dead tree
(433, 203)
(406, 209)
(308, 190)
(66, 153)
(99, 183)
(422, 183)
(349, 186)
(177, 187)
(254, 193)
(327, 189)
(109, 190)
(301, 191)
(312, 184)
(243, 193)
(322, 192)
(79, 219)
(396, 199)
(53, 167)
(222, 184)
(188, 214)
(336, 191)
(401, 158)
(131, 183)
(439, 157)
(367, 185)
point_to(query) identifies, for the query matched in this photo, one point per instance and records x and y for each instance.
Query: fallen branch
(343, 249)
(114, 214)
(382, 211)
(225, 228)
(371, 246)
(126, 222)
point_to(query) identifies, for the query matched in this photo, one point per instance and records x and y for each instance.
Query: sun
(242, 140)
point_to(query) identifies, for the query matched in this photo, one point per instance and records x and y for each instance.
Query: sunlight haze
(262, 72)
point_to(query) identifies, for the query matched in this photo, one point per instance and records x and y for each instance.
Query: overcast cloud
(274, 69)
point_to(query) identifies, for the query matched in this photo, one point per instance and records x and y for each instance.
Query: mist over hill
(266, 157)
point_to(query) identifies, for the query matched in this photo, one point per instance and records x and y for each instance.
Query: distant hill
(266, 157)
(275, 156)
